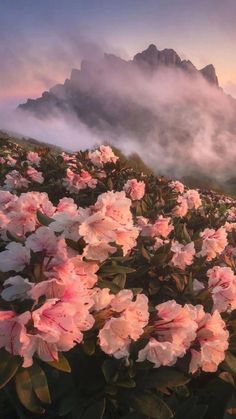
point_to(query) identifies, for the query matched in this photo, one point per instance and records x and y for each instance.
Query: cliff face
(210, 74)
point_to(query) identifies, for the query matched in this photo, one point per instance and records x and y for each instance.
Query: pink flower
(15, 181)
(33, 158)
(35, 175)
(121, 300)
(193, 199)
(175, 325)
(222, 284)
(14, 258)
(114, 336)
(211, 339)
(86, 271)
(177, 186)
(137, 316)
(75, 182)
(97, 228)
(7, 201)
(115, 205)
(181, 208)
(67, 205)
(99, 251)
(183, 254)
(68, 224)
(47, 351)
(134, 189)
(10, 161)
(229, 227)
(162, 227)
(214, 242)
(102, 156)
(126, 238)
(22, 217)
(102, 298)
(18, 288)
(117, 333)
(54, 319)
(159, 353)
(231, 214)
(175, 329)
(43, 240)
(13, 335)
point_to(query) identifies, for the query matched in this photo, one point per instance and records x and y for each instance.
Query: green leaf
(96, 410)
(67, 404)
(89, 346)
(14, 238)
(164, 377)
(44, 219)
(153, 406)
(62, 364)
(145, 253)
(109, 284)
(126, 383)
(9, 365)
(109, 369)
(39, 383)
(116, 269)
(230, 363)
(120, 280)
(79, 245)
(25, 392)
(185, 234)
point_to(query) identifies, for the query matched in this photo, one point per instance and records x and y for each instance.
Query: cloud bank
(179, 123)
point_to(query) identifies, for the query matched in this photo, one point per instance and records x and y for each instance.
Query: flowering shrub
(118, 291)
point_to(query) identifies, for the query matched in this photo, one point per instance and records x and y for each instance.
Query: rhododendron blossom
(174, 331)
(15, 288)
(162, 227)
(14, 258)
(211, 341)
(177, 186)
(214, 242)
(181, 209)
(15, 181)
(183, 254)
(102, 156)
(33, 158)
(193, 199)
(75, 182)
(117, 333)
(222, 285)
(34, 175)
(89, 275)
(135, 189)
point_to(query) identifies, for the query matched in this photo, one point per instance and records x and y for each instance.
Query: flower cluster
(142, 267)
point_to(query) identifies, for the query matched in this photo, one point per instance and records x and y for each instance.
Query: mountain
(82, 91)
(153, 59)
(175, 116)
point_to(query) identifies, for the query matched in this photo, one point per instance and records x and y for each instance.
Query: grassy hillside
(196, 180)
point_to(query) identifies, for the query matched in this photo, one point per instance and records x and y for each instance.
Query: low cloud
(179, 123)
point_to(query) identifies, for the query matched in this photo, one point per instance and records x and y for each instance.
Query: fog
(178, 122)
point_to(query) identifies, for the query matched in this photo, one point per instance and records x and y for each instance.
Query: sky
(42, 40)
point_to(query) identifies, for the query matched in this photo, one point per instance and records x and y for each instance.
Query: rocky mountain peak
(209, 73)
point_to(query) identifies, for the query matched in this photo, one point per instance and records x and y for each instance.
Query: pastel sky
(41, 40)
